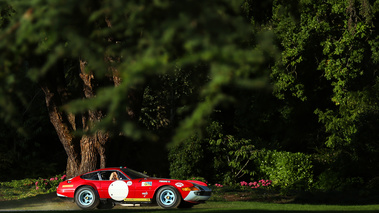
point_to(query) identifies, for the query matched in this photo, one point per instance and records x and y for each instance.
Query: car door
(116, 189)
(144, 189)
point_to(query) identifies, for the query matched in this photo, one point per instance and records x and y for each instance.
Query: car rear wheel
(87, 198)
(168, 197)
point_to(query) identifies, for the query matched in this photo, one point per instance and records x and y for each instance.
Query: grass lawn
(23, 197)
(213, 206)
(18, 189)
(274, 207)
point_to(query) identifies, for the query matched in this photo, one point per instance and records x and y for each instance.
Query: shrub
(286, 170)
(187, 159)
(343, 171)
(333, 181)
(19, 183)
(256, 184)
(49, 185)
(215, 156)
(227, 159)
(236, 156)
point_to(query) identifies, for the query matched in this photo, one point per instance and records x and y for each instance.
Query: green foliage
(286, 170)
(17, 189)
(351, 165)
(199, 65)
(28, 182)
(137, 41)
(187, 159)
(329, 63)
(236, 154)
(333, 41)
(29, 187)
(170, 97)
(6, 12)
(333, 181)
(216, 157)
(49, 185)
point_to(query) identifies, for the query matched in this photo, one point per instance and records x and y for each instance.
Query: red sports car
(104, 188)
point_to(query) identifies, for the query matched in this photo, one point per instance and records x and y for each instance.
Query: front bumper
(203, 194)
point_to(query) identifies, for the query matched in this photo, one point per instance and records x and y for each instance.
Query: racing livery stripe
(137, 199)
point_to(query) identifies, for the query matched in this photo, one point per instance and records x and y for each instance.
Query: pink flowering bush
(219, 185)
(49, 185)
(243, 183)
(255, 184)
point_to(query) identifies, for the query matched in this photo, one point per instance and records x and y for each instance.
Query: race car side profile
(104, 188)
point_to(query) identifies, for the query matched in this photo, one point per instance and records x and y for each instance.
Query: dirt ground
(47, 202)
(39, 202)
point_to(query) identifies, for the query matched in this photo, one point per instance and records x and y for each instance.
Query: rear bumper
(61, 196)
(65, 192)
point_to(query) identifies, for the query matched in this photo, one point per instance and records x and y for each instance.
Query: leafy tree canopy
(330, 49)
(136, 42)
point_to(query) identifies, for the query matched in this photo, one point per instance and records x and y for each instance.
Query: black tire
(168, 197)
(87, 198)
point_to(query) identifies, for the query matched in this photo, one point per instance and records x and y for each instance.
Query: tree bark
(87, 152)
(84, 153)
(97, 141)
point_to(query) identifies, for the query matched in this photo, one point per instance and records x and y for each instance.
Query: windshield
(133, 174)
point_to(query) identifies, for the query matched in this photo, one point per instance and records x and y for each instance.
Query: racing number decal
(118, 190)
(179, 184)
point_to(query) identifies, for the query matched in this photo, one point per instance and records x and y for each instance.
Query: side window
(90, 176)
(122, 176)
(112, 175)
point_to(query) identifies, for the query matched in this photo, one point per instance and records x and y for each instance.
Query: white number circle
(118, 190)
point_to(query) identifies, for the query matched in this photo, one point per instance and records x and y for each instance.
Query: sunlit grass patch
(18, 189)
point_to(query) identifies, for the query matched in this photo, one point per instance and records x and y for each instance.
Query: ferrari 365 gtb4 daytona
(104, 188)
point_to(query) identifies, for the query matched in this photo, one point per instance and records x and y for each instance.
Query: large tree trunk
(87, 152)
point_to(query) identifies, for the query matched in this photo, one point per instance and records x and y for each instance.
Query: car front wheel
(168, 197)
(87, 198)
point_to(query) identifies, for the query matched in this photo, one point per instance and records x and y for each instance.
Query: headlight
(187, 189)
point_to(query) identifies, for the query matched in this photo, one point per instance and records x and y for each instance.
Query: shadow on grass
(203, 210)
(50, 202)
(348, 198)
(337, 198)
(40, 202)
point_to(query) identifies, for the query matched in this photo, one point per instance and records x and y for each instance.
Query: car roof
(105, 169)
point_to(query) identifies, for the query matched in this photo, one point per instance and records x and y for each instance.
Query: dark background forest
(222, 90)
